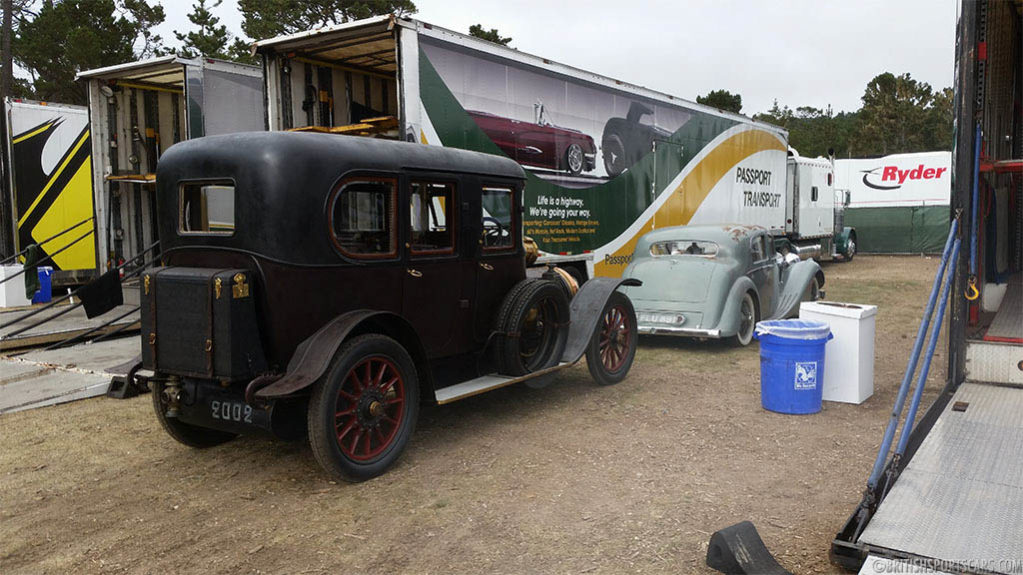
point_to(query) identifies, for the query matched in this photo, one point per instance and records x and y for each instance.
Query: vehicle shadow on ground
(439, 428)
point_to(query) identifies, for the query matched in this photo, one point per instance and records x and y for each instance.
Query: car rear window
(206, 208)
(684, 248)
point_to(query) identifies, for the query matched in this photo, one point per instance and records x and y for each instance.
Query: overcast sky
(800, 52)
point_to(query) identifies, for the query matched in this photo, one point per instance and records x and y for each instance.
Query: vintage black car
(330, 284)
(626, 140)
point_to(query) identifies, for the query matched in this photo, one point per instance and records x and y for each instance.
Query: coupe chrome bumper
(682, 331)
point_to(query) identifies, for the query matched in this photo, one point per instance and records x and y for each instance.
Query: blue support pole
(900, 400)
(914, 404)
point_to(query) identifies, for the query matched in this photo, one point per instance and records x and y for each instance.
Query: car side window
(362, 218)
(498, 218)
(431, 218)
(758, 248)
(814, 194)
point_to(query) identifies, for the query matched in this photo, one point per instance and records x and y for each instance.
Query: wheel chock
(739, 550)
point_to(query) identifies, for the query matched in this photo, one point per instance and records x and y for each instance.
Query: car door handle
(415, 273)
(487, 266)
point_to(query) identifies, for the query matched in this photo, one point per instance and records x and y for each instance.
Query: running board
(489, 382)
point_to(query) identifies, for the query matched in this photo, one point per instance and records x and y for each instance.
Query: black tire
(343, 411)
(747, 321)
(613, 151)
(850, 249)
(575, 161)
(813, 290)
(533, 328)
(185, 433)
(612, 347)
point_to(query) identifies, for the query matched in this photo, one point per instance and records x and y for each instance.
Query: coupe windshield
(684, 248)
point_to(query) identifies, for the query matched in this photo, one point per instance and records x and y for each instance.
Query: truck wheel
(534, 328)
(748, 317)
(362, 413)
(574, 159)
(613, 345)
(185, 433)
(850, 249)
(614, 155)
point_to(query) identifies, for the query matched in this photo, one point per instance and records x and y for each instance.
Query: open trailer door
(950, 500)
(139, 109)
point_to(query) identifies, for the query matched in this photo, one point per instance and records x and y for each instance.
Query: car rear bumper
(680, 331)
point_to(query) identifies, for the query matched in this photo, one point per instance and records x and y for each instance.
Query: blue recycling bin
(45, 292)
(792, 364)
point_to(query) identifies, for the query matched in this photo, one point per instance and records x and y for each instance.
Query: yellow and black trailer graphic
(52, 185)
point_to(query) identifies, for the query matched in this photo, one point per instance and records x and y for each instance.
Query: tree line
(898, 115)
(53, 40)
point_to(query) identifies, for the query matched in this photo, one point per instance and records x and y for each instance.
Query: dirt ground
(573, 478)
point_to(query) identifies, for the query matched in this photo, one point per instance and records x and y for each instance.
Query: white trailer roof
(339, 42)
(162, 70)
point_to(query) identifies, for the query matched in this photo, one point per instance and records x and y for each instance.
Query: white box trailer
(50, 185)
(139, 109)
(605, 161)
(898, 203)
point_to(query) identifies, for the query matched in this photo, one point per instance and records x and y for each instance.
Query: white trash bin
(12, 292)
(849, 371)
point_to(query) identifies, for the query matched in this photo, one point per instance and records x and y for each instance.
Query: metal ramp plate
(960, 499)
(994, 362)
(1008, 323)
(875, 565)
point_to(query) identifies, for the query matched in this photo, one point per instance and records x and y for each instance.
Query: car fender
(584, 313)
(800, 274)
(313, 356)
(728, 324)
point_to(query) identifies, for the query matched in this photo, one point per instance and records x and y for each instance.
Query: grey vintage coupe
(716, 281)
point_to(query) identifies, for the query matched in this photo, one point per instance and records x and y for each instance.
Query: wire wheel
(614, 338)
(369, 408)
(574, 159)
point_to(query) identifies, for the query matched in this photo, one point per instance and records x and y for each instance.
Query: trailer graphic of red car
(539, 145)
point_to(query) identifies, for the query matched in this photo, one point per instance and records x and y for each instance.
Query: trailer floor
(960, 499)
(1008, 323)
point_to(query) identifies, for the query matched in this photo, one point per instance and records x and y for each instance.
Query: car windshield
(697, 248)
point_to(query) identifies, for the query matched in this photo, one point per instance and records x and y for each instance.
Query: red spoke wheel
(613, 345)
(362, 413)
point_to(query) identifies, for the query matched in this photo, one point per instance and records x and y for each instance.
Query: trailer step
(489, 382)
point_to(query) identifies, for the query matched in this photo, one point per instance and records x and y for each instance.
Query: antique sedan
(716, 281)
(330, 284)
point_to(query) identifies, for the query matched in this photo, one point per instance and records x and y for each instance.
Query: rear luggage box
(200, 322)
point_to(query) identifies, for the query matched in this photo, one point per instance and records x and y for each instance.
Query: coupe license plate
(231, 411)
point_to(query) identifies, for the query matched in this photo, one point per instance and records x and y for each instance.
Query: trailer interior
(138, 110)
(954, 501)
(342, 79)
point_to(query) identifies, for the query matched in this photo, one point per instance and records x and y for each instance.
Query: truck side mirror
(847, 199)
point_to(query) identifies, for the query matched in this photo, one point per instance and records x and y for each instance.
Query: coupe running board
(489, 382)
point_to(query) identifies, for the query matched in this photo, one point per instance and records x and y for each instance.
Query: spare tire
(532, 327)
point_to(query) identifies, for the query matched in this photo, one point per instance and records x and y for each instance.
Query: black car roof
(284, 180)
